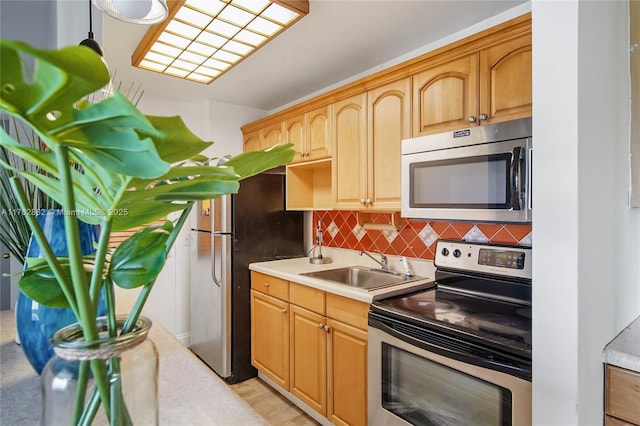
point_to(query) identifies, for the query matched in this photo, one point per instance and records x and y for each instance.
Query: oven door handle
(516, 178)
(520, 371)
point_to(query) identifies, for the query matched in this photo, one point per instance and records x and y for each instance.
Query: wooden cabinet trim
(499, 33)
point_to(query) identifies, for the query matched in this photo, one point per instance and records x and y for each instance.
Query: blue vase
(35, 322)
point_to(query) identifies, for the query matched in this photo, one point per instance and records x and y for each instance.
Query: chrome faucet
(383, 262)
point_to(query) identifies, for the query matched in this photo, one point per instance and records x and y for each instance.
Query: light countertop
(624, 350)
(189, 393)
(291, 270)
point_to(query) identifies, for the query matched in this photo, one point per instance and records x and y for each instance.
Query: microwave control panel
(510, 261)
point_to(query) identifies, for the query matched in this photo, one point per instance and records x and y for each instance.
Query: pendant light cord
(90, 42)
(90, 21)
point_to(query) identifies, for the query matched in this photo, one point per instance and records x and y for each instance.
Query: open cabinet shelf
(309, 185)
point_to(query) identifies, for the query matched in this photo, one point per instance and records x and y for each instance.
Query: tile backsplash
(415, 238)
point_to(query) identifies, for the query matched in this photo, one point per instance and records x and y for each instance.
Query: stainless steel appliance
(458, 353)
(233, 231)
(482, 173)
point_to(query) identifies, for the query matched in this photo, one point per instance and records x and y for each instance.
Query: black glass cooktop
(486, 320)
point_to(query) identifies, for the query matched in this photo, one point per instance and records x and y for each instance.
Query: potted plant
(108, 164)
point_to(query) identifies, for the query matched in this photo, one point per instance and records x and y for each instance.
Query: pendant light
(135, 11)
(90, 42)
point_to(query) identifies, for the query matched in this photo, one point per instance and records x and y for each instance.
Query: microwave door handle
(516, 178)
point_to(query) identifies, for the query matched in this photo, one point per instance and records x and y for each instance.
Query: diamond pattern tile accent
(332, 229)
(476, 235)
(428, 235)
(359, 232)
(415, 238)
(390, 235)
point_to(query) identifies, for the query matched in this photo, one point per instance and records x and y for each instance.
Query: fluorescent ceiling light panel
(202, 39)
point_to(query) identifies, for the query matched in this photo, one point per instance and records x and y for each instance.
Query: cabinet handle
(472, 119)
(306, 154)
(362, 201)
(369, 202)
(284, 311)
(266, 285)
(483, 117)
(326, 328)
(321, 326)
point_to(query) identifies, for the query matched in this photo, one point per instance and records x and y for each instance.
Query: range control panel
(510, 261)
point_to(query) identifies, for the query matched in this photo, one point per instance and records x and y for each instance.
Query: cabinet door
(347, 374)
(318, 135)
(295, 133)
(308, 358)
(270, 337)
(349, 147)
(253, 141)
(445, 97)
(273, 135)
(389, 121)
(505, 81)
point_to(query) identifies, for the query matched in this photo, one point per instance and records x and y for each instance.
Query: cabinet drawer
(623, 394)
(307, 297)
(272, 286)
(349, 311)
(612, 421)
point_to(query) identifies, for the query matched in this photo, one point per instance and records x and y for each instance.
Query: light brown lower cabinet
(348, 374)
(622, 396)
(325, 358)
(270, 337)
(308, 358)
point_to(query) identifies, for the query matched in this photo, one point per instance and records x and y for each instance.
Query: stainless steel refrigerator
(232, 232)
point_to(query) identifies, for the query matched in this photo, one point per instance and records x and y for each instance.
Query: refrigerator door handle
(216, 261)
(220, 241)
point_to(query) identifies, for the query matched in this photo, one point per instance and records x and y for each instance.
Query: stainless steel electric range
(458, 353)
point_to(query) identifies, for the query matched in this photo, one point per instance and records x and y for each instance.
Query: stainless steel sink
(362, 277)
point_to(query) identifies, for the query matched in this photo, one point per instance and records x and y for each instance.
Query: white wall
(586, 280)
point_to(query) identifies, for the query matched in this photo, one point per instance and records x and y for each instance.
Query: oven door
(411, 385)
(485, 182)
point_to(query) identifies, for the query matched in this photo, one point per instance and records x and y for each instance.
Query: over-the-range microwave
(480, 174)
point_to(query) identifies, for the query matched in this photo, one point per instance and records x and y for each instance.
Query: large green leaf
(139, 259)
(177, 142)
(251, 163)
(50, 100)
(39, 283)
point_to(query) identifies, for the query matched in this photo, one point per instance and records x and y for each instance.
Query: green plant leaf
(39, 283)
(139, 259)
(50, 100)
(251, 163)
(177, 142)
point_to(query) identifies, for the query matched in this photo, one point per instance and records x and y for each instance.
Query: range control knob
(457, 253)
(445, 251)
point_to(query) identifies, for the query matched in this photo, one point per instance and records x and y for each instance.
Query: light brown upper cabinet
(368, 131)
(253, 141)
(487, 86)
(349, 146)
(273, 135)
(309, 133)
(389, 121)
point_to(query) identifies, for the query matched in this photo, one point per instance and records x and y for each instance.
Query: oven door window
(424, 392)
(479, 182)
